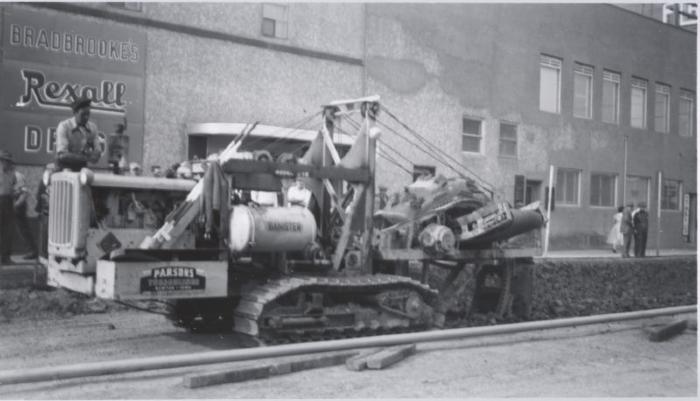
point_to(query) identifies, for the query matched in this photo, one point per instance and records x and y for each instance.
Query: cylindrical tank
(271, 229)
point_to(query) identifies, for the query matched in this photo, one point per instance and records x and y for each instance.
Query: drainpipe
(659, 178)
(364, 49)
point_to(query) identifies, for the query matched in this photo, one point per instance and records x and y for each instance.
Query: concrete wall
(192, 79)
(435, 63)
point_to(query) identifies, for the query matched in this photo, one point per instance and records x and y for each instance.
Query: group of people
(14, 195)
(631, 225)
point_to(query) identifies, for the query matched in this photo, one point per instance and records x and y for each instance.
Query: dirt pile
(580, 287)
(31, 303)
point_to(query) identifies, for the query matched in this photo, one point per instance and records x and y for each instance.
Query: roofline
(671, 26)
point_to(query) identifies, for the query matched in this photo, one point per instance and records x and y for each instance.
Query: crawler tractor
(332, 268)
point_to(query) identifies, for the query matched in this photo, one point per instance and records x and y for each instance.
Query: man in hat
(641, 228)
(77, 142)
(7, 213)
(627, 229)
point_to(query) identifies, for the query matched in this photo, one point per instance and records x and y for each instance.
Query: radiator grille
(60, 223)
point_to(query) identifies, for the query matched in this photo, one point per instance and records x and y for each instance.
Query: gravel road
(606, 360)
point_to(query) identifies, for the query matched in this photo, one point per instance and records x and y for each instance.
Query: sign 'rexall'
(52, 58)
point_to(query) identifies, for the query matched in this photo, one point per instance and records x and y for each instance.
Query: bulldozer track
(251, 308)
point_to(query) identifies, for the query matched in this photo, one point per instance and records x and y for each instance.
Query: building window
(603, 189)
(638, 106)
(471, 135)
(662, 108)
(274, 20)
(567, 186)
(550, 84)
(671, 195)
(611, 97)
(583, 91)
(637, 190)
(508, 140)
(685, 114)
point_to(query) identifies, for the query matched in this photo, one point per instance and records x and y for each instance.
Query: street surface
(605, 360)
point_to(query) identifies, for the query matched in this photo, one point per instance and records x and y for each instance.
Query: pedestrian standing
(627, 229)
(7, 215)
(615, 238)
(641, 228)
(21, 196)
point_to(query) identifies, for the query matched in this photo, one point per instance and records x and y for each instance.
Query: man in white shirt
(77, 141)
(298, 195)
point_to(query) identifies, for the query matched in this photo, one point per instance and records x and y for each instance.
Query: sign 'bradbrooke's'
(73, 43)
(108, 97)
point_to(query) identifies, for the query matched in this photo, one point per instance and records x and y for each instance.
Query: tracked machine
(331, 268)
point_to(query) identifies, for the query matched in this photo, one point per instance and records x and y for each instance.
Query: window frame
(268, 13)
(587, 72)
(562, 191)
(616, 79)
(648, 182)
(480, 135)
(686, 95)
(641, 84)
(552, 63)
(510, 140)
(662, 90)
(679, 195)
(614, 189)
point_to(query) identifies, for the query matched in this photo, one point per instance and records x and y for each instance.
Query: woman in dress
(615, 236)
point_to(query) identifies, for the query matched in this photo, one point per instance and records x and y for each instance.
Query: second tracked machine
(330, 267)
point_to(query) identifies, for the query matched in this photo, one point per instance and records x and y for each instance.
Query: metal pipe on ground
(175, 361)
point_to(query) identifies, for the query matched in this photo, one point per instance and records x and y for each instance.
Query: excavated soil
(557, 288)
(41, 303)
(579, 287)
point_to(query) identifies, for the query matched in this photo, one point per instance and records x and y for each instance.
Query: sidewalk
(606, 253)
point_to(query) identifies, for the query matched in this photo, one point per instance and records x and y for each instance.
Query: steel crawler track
(251, 308)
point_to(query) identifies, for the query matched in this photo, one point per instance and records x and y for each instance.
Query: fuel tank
(271, 229)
